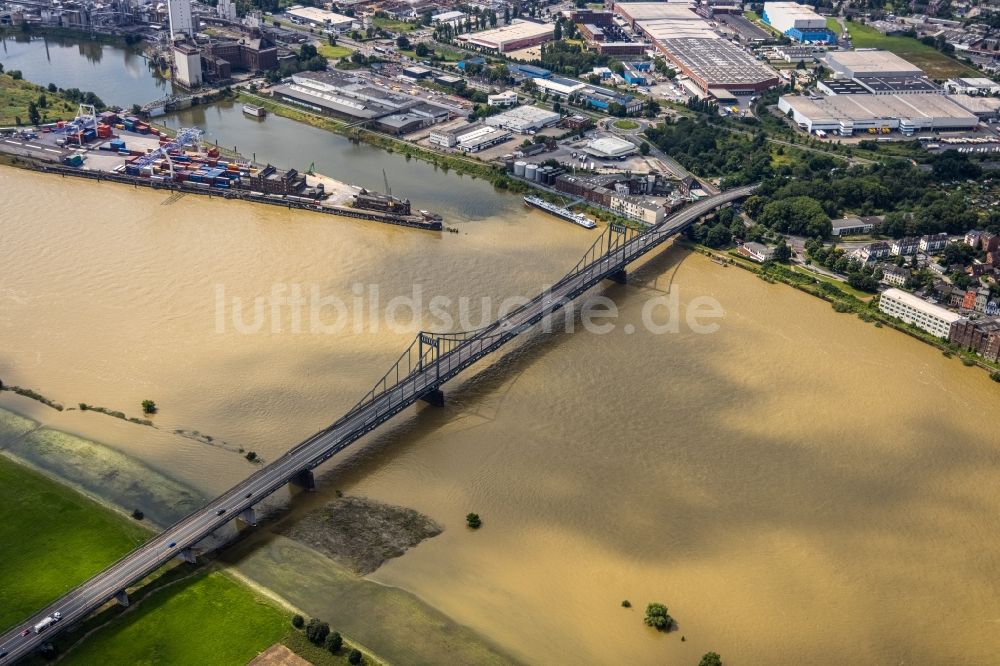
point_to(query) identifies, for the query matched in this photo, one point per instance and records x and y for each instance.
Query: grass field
(334, 52)
(447, 55)
(934, 63)
(15, 96)
(393, 25)
(626, 124)
(51, 539)
(208, 620)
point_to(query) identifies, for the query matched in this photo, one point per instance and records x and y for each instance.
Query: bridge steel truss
(430, 361)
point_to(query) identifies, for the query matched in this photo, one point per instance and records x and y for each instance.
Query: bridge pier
(434, 397)
(121, 596)
(304, 480)
(619, 276)
(188, 556)
(248, 517)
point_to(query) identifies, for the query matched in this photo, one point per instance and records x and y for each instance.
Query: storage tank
(519, 167)
(531, 171)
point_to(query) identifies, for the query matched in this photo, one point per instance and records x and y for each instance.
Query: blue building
(470, 61)
(797, 22)
(635, 73)
(528, 72)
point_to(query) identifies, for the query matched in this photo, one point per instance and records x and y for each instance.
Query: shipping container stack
(201, 171)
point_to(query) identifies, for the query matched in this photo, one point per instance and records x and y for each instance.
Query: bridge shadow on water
(477, 397)
(473, 400)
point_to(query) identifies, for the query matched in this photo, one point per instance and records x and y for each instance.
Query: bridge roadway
(371, 412)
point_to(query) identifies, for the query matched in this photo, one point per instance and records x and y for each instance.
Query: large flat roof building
(983, 107)
(646, 11)
(321, 17)
(693, 46)
(715, 63)
(524, 119)
(873, 63)
(610, 148)
(518, 35)
(847, 114)
(926, 316)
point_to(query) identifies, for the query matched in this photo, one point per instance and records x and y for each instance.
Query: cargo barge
(558, 211)
(254, 111)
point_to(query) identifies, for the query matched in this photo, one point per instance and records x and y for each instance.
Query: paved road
(377, 408)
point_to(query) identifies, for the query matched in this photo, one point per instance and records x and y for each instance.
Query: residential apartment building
(981, 336)
(895, 275)
(933, 243)
(904, 246)
(872, 252)
(926, 316)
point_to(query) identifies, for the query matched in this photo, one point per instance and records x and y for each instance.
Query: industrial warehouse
(847, 114)
(870, 63)
(688, 41)
(519, 34)
(524, 119)
(355, 98)
(878, 92)
(797, 22)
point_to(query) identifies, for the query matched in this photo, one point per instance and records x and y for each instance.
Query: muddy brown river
(797, 486)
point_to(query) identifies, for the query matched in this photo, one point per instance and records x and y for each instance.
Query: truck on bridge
(47, 622)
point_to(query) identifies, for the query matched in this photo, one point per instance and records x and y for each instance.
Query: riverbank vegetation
(843, 298)
(323, 646)
(361, 534)
(32, 395)
(84, 407)
(23, 102)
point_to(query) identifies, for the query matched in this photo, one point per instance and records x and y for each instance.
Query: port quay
(122, 148)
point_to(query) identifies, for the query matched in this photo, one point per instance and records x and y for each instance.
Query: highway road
(376, 408)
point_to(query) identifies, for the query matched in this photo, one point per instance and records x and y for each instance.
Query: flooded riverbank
(798, 486)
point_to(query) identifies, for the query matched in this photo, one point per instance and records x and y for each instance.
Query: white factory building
(610, 148)
(505, 98)
(469, 139)
(847, 114)
(864, 63)
(320, 18)
(524, 119)
(974, 86)
(934, 319)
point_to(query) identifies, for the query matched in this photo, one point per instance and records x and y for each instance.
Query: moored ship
(558, 211)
